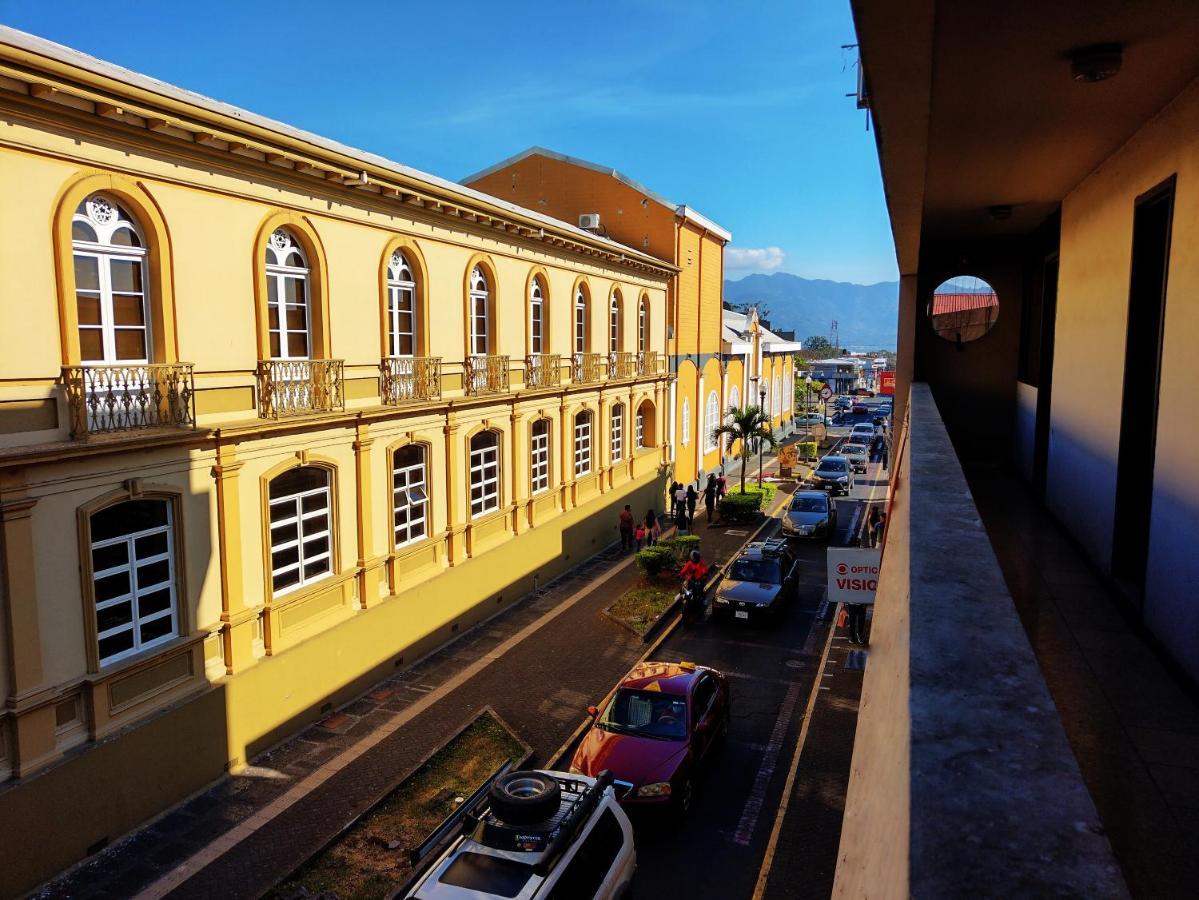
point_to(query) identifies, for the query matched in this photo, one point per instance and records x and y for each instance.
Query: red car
(661, 724)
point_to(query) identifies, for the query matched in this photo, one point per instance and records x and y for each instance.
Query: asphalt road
(719, 849)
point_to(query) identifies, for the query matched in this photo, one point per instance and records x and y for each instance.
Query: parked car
(811, 514)
(865, 429)
(813, 419)
(842, 403)
(860, 409)
(833, 474)
(857, 454)
(759, 582)
(530, 834)
(660, 726)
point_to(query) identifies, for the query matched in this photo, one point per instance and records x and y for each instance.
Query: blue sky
(737, 110)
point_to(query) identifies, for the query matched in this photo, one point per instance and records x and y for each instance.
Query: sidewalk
(538, 664)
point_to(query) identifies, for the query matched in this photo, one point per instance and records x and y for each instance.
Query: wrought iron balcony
(543, 370)
(622, 365)
(106, 399)
(411, 378)
(647, 363)
(589, 368)
(485, 375)
(297, 387)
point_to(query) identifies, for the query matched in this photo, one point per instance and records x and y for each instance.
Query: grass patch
(360, 866)
(640, 607)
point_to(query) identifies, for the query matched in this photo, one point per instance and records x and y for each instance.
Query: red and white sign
(886, 384)
(852, 574)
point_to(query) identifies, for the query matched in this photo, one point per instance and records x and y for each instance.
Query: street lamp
(762, 443)
(807, 406)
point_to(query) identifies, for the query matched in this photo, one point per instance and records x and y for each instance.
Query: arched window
(401, 307)
(617, 432)
(734, 398)
(536, 317)
(301, 529)
(776, 398)
(580, 320)
(539, 455)
(583, 443)
(711, 422)
(484, 472)
(686, 429)
(110, 283)
(614, 323)
(133, 577)
(645, 424)
(643, 325)
(410, 497)
(480, 313)
(289, 312)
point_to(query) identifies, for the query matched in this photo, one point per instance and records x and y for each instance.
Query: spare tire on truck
(524, 798)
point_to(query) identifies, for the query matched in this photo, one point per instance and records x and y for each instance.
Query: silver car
(812, 514)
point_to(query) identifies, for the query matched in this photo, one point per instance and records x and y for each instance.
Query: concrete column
(456, 475)
(566, 453)
(670, 443)
(700, 422)
(601, 451)
(905, 352)
(519, 474)
(368, 561)
(238, 618)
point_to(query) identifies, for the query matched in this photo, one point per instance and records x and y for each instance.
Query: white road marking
(757, 794)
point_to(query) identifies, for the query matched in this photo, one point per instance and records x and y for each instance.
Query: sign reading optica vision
(852, 574)
(886, 383)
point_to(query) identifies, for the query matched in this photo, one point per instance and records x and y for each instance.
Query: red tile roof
(952, 303)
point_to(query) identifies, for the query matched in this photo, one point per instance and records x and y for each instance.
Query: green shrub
(681, 545)
(807, 449)
(656, 559)
(738, 507)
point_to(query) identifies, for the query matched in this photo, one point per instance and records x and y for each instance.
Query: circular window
(963, 309)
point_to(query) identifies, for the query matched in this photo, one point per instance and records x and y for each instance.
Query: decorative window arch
(540, 437)
(300, 501)
(686, 429)
(645, 424)
(776, 398)
(410, 493)
(484, 472)
(734, 398)
(115, 285)
(643, 323)
(582, 333)
(132, 574)
(480, 313)
(615, 323)
(617, 432)
(288, 290)
(538, 306)
(583, 420)
(403, 324)
(712, 422)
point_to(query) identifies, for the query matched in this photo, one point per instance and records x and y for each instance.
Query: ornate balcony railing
(543, 370)
(647, 363)
(589, 368)
(410, 378)
(296, 387)
(485, 375)
(622, 365)
(105, 399)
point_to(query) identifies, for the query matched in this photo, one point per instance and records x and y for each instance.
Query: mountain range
(866, 314)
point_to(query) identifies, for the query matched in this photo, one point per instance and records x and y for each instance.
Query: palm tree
(746, 424)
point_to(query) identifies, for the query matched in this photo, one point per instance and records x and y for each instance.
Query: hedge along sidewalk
(642, 607)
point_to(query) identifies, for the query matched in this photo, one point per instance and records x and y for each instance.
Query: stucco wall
(1026, 427)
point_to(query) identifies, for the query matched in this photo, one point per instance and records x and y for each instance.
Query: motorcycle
(694, 602)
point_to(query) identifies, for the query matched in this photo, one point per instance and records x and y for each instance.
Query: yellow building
(273, 414)
(626, 211)
(759, 367)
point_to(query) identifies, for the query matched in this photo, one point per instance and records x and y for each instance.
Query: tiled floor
(1133, 727)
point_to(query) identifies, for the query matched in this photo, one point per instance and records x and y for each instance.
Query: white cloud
(756, 259)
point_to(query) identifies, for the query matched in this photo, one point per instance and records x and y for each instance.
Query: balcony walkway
(1133, 728)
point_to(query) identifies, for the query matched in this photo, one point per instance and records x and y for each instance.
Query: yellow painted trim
(430, 491)
(621, 326)
(164, 342)
(304, 231)
(502, 498)
(538, 273)
(493, 286)
(589, 338)
(416, 259)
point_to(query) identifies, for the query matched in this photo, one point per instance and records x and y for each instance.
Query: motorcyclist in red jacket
(693, 574)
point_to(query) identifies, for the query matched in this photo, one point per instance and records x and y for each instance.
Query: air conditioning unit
(589, 221)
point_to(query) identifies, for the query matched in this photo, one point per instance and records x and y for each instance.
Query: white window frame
(137, 591)
(410, 495)
(643, 326)
(299, 516)
(281, 247)
(734, 399)
(106, 218)
(583, 443)
(485, 474)
(614, 324)
(539, 456)
(580, 321)
(401, 292)
(711, 422)
(536, 318)
(776, 398)
(639, 422)
(617, 432)
(686, 429)
(480, 313)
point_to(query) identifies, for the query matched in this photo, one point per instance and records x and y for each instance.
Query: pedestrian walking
(692, 496)
(639, 537)
(680, 514)
(710, 490)
(674, 499)
(856, 622)
(884, 454)
(626, 528)
(653, 528)
(869, 531)
(722, 484)
(879, 524)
